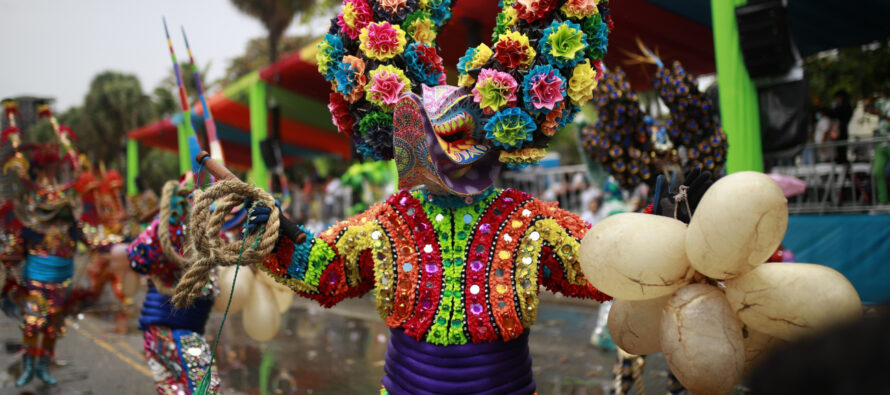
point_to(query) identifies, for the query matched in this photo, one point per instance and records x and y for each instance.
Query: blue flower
(466, 59)
(330, 51)
(440, 11)
(510, 128)
(419, 64)
(344, 75)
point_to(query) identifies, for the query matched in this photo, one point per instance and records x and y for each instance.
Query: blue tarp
(856, 245)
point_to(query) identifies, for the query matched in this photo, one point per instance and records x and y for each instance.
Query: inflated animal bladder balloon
(118, 261)
(243, 288)
(635, 256)
(283, 299)
(635, 326)
(788, 300)
(261, 317)
(702, 340)
(130, 282)
(738, 224)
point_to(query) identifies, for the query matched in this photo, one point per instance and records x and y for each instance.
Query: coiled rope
(207, 250)
(174, 207)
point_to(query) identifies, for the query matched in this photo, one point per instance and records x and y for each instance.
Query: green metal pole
(258, 131)
(183, 147)
(739, 111)
(132, 166)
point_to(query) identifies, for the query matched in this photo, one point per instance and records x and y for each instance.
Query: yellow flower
(523, 156)
(582, 83)
(423, 31)
(483, 53)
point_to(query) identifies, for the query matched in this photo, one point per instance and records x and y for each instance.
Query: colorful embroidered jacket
(445, 270)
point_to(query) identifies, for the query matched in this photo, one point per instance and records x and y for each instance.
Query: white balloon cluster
(262, 299)
(700, 294)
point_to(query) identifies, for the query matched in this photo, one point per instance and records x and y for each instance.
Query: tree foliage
(276, 16)
(114, 105)
(863, 71)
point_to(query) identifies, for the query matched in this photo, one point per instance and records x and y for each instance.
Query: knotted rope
(174, 207)
(206, 249)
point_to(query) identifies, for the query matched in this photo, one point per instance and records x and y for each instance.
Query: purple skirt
(414, 367)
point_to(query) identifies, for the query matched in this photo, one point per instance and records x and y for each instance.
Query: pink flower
(494, 90)
(386, 86)
(355, 15)
(546, 90)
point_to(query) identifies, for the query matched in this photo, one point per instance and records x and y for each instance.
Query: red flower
(533, 10)
(340, 113)
(510, 53)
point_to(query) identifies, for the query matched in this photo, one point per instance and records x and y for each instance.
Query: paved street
(317, 351)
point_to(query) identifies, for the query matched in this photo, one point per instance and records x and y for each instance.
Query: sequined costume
(46, 236)
(174, 345)
(445, 272)
(456, 264)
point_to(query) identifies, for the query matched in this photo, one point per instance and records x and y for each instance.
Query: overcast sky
(54, 48)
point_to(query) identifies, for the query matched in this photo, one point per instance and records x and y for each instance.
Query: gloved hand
(696, 183)
(260, 216)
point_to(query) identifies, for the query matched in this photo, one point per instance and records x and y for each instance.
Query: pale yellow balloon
(738, 224)
(702, 340)
(130, 282)
(789, 300)
(271, 283)
(261, 317)
(118, 261)
(243, 288)
(635, 256)
(757, 346)
(635, 325)
(283, 299)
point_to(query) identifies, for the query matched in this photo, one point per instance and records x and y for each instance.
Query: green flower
(510, 128)
(563, 44)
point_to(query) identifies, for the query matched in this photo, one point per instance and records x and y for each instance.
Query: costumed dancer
(175, 349)
(108, 234)
(48, 237)
(456, 263)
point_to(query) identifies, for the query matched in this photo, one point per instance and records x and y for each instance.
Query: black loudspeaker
(765, 38)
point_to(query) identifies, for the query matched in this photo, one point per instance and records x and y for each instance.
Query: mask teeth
(456, 124)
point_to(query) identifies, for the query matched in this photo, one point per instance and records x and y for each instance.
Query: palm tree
(275, 15)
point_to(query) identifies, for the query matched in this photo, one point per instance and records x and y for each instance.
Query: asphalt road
(317, 351)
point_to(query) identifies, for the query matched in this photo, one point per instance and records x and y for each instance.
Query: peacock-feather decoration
(633, 149)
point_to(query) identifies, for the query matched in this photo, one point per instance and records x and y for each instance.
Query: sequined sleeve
(556, 235)
(145, 250)
(337, 264)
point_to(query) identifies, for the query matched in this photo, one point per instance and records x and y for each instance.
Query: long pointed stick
(187, 141)
(212, 141)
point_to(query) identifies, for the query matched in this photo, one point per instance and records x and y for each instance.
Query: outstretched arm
(337, 264)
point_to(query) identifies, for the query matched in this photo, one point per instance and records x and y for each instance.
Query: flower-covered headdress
(543, 64)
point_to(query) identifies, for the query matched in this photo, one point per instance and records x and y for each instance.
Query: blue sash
(159, 310)
(47, 268)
